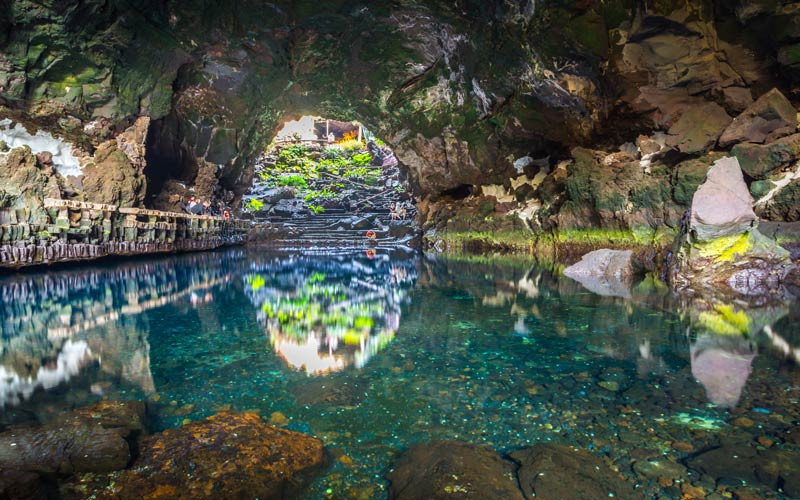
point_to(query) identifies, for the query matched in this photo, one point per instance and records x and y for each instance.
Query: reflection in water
(326, 314)
(15, 388)
(56, 325)
(722, 364)
(494, 352)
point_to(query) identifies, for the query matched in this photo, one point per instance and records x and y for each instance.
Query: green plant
(356, 172)
(350, 145)
(361, 159)
(324, 193)
(254, 205)
(316, 209)
(332, 153)
(293, 181)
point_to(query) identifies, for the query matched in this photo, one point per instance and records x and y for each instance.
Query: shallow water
(374, 354)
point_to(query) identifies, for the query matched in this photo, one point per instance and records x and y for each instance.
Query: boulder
(698, 128)
(605, 272)
(774, 468)
(771, 115)
(554, 472)
(451, 470)
(784, 204)
(19, 484)
(737, 98)
(720, 244)
(722, 205)
(91, 439)
(230, 455)
(759, 161)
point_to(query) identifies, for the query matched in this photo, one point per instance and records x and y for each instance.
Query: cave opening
(329, 184)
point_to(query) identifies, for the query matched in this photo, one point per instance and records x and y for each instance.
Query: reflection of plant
(725, 320)
(256, 282)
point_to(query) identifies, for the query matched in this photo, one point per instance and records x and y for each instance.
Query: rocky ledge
(446, 469)
(101, 451)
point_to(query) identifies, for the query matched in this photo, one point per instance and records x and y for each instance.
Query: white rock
(63, 159)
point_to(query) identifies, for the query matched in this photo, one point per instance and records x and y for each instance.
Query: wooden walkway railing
(75, 230)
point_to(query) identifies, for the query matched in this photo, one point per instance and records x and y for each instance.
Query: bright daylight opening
(332, 185)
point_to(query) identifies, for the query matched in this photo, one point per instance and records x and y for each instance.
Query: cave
(399, 249)
(332, 186)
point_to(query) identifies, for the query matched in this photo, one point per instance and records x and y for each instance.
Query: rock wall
(72, 231)
(469, 94)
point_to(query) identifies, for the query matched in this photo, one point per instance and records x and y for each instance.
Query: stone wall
(73, 231)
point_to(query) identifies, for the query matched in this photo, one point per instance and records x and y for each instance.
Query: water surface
(373, 354)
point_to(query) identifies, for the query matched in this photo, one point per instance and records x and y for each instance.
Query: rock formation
(720, 244)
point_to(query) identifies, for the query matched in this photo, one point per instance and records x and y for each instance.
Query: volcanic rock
(231, 455)
(772, 114)
(449, 469)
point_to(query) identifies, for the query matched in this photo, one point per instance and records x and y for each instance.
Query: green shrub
(293, 181)
(254, 205)
(361, 159)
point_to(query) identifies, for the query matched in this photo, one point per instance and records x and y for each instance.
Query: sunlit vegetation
(318, 176)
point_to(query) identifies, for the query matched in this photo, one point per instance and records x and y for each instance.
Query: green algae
(725, 248)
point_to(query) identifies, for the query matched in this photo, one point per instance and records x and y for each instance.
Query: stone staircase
(344, 225)
(339, 230)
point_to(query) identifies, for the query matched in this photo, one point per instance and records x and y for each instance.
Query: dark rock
(771, 112)
(758, 161)
(448, 469)
(742, 462)
(737, 98)
(524, 193)
(549, 471)
(231, 455)
(784, 205)
(18, 484)
(45, 158)
(698, 128)
(91, 439)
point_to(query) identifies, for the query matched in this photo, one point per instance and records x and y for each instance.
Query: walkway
(76, 231)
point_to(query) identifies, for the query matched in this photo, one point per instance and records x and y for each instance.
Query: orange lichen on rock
(230, 455)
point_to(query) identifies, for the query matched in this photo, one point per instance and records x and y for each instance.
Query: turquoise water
(374, 354)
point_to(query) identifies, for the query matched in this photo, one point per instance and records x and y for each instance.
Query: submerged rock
(743, 462)
(605, 272)
(91, 439)
(549, 471)
(230, 455)
(449, 469)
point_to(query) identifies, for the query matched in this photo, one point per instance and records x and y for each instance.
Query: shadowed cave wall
(467, 93)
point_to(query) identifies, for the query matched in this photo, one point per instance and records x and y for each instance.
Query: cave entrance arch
(331, 185)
